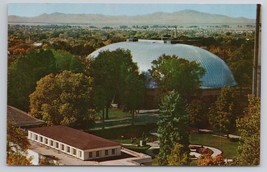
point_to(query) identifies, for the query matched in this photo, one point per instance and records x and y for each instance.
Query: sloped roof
(20, 118)
(73, 137)
(217, 74)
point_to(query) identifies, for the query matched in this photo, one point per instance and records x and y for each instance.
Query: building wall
(73, 151)
(102, 153)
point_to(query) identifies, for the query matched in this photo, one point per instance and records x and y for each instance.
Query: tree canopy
(174, 73)
(24, 73)
(172, 126)
(178, 156)
(223, 113)
(66, 61)
(241, 64)
(249, 128)
(198, 113)
(63, 99)
(116, 79)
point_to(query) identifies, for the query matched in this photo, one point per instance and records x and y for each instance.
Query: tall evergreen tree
(172, 126)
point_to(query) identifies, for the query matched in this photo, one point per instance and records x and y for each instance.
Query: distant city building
(22, 119)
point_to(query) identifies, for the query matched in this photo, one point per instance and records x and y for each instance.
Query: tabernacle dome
(217, 74)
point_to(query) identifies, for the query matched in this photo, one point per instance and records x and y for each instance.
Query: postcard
(133, 84)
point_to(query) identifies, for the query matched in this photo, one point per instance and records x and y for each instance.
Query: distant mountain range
(158, 18)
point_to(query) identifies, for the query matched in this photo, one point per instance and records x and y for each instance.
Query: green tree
(112, 71)
(174, 73)
(197, 111)
(172, 126)
(178, 157)
(223, 113)
(24, 73)
(17, 145)
(249, 128)
(241, 64)
(65, 99)
(66, 61)
(133, 92)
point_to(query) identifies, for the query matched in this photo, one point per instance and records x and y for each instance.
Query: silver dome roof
(217, 74)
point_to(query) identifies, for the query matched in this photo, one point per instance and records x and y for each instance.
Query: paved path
(155, 145)
(126, 118)
(214, 150)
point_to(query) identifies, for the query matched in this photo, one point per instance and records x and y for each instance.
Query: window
(106, 152)
(30, 135)
(51, 143)
(80, 153)
(113, 151)
(68, 149)
(97, 153)
(74, 151)
(46, 141)
(36, 137)
(62, 147)
(56, 144)
(90, 154)
(41, 139)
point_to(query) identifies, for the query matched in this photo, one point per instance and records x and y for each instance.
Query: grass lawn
(125, 133)
(141, 149)
(115, 113)
(123, 141)
(155, 161)
(229, 148)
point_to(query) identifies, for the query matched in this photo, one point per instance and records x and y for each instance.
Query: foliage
(197, 111)
(249, 128)
(241, 64)
(133, 92)
(208, 160)
(174, 73)
(17, 144)
(63, 99)
(66, 61)
(224, 112)
(116, 78)
(24, 73)
(178, 156)
(172, 126)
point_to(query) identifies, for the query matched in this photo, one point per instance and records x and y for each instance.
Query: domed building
(218, 74)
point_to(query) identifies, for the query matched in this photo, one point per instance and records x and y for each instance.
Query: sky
(31, 9)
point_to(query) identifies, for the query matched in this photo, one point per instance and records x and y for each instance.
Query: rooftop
(132, 159)
(73, 137)
(20, 118)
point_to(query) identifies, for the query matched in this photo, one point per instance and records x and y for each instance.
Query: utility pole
(256, 82)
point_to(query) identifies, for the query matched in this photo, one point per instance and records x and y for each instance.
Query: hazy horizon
(33, 10)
